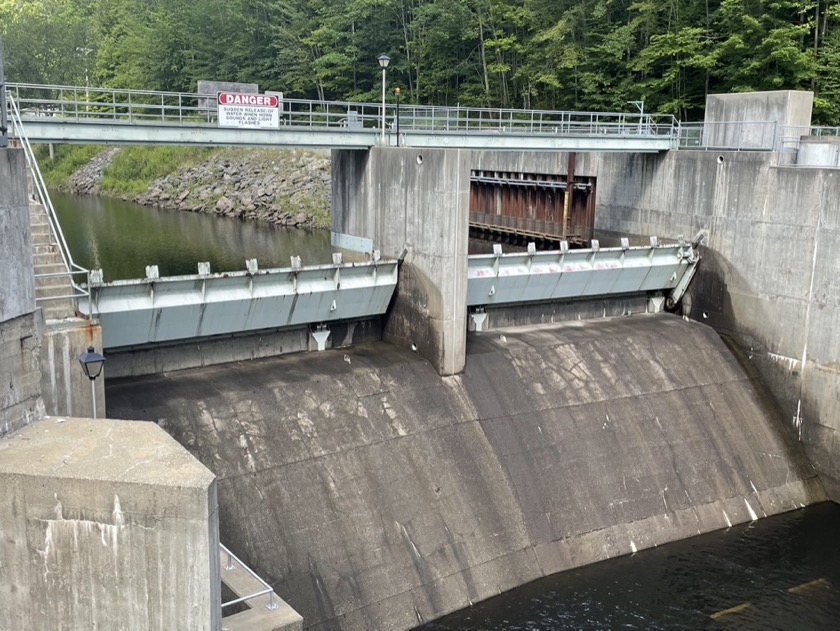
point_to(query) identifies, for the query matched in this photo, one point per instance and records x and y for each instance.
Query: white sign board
(249, 111)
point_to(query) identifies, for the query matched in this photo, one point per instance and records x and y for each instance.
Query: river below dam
(778, 573)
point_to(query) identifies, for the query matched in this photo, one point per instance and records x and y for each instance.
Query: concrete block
(113, 525)
(20, 373)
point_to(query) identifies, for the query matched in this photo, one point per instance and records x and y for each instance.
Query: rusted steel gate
(533, 206)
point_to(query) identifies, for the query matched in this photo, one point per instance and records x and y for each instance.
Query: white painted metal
(495, 279)
(147, 311)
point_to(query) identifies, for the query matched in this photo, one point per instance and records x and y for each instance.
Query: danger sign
(249, 111)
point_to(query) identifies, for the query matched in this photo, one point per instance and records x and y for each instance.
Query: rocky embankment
(285, 187)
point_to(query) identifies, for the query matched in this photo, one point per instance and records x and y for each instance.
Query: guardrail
(747, 136)
(229, 566)
(83, 104)
(72, 270)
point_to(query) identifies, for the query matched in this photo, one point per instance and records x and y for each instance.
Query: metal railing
(71, 269)
(267, 589)
(747, 136)
(86, 104)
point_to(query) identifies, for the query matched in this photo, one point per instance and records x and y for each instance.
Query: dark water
(784, 571)
(122, 238)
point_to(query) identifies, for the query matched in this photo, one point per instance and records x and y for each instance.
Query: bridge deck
(68, 114)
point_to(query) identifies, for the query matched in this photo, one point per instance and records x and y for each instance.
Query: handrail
(71, 268)
(268, 589)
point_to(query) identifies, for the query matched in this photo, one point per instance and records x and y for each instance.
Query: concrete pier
(414, 205)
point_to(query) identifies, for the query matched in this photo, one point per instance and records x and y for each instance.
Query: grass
(135, 168)
(66, 161)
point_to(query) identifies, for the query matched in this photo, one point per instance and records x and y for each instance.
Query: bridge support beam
(414, 205)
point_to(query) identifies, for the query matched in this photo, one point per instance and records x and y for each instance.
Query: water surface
(780, 573)
(122, 238)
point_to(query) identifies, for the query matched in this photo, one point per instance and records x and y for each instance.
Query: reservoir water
(778, 573)
(122, 238)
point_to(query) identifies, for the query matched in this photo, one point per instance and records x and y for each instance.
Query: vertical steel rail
(4, 126)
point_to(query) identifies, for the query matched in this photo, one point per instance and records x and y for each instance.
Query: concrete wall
(65, 388)
(769, 273)
(17, 282)
(413, 204)
(109, 525)
(20, 324)
(374, 494)
(207, 352)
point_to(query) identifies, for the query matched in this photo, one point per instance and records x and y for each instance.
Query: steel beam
(44, 129)
(152, 310)
(495, 279)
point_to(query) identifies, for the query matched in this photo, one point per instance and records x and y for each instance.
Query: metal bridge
(73, 114)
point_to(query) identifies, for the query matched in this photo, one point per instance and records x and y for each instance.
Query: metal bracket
(321, 333)
(478, 317)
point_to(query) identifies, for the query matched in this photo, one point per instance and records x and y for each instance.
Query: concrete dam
(374, 494)
(422, 463)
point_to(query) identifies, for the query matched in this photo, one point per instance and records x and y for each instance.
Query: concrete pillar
(111, 525)
(21, 402)
(414, 204)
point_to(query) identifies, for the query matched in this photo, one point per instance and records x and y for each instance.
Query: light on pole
(383, 60)
(92, 363)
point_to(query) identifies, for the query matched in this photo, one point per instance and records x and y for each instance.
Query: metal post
(383, 106)
(4, 127)
(398, 116)
(93, 395)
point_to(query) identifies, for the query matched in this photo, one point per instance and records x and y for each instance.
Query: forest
(547, 54)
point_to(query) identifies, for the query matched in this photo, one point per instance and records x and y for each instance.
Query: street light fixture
(92, 363)
(383, 60)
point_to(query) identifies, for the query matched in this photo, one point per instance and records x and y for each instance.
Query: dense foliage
(559, 54)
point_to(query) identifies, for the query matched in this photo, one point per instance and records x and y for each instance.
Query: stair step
(47, 258)
(53, 267)
(51, 284)
(44, 248)
(58, 309)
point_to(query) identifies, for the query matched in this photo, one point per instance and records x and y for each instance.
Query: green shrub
(66, 161)
(134, 168)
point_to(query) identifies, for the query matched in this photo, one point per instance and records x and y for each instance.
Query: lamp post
(92, 363)
(383, 60)
(397, 92)
(4, 138)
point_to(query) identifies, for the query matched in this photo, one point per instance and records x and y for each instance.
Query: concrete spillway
(374, 494)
